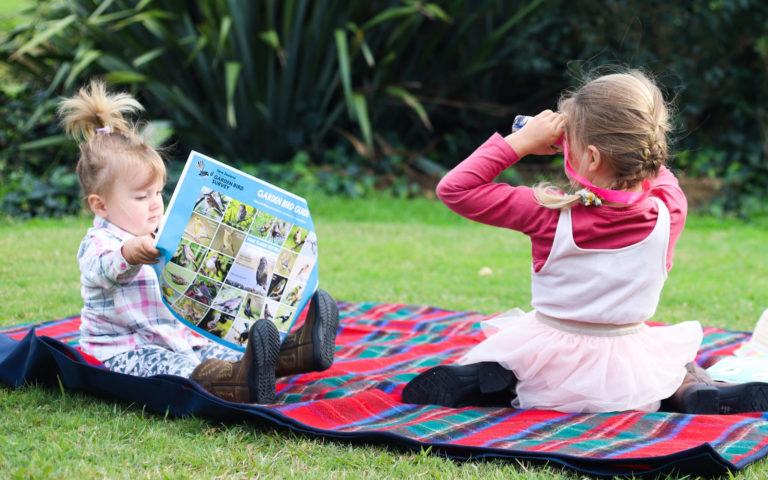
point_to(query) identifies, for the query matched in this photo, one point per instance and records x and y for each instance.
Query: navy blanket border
(47, 361)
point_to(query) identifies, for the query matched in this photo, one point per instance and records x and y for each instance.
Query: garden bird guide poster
(234, 249)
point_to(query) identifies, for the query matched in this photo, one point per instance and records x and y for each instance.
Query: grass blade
(361, 115)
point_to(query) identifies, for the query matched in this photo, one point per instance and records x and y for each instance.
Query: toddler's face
(135, 203)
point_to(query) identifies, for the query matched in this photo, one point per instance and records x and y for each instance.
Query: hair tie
(103, 130)
(589, 198)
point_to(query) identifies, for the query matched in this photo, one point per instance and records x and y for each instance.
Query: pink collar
(616, 196)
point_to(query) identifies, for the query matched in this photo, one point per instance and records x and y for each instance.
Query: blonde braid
(625, 117)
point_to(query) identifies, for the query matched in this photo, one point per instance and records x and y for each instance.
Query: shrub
(35, 158)
(391, 89)
(255, 81)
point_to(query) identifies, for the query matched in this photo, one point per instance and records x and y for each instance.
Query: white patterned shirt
(122, 308)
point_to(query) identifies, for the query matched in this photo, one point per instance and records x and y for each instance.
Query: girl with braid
(600, 259)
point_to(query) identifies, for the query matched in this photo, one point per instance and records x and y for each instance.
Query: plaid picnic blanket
(380, 347)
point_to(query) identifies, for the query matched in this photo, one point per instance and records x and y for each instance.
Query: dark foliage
(350, 96)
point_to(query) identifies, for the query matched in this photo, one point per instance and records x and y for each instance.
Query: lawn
(375, 250)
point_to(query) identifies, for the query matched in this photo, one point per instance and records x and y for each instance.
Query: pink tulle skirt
(575, 372)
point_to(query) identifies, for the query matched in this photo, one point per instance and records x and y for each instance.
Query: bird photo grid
(234, 249)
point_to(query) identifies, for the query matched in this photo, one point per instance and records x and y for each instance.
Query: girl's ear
(594, 162)
(97, 205)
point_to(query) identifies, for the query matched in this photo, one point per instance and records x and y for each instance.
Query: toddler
(124, 322)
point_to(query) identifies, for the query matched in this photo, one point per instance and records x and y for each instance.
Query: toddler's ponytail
(94, 109)
(110, 145)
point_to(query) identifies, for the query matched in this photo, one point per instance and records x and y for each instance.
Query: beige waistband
(592, 329)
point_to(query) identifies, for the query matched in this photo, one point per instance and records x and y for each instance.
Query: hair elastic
(103, 130)
(588, 198)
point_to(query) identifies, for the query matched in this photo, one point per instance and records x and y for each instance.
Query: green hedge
(358, 95)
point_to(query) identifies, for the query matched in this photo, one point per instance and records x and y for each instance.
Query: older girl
(600, 259)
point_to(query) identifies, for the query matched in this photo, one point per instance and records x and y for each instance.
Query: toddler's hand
(139, 250)
(539, 136)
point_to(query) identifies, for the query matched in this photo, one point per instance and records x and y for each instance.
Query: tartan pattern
(65, 330)
(380, 347)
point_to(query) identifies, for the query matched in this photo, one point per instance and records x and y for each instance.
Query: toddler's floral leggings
(155, 360)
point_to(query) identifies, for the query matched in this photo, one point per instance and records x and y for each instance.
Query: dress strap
(591, 329)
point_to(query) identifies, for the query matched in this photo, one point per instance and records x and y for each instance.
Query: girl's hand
(540, 136)
(139, 250)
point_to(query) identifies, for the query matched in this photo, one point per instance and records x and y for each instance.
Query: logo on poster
(220, 180)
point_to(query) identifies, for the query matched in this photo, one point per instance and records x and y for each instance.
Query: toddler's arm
(102, 262)
(140, 250)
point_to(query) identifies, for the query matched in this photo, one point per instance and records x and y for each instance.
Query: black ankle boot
(742, 397)
(478, 384)
(700, 394)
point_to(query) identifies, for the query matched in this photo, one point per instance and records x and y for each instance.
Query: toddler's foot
(250, 379)
(311, 348)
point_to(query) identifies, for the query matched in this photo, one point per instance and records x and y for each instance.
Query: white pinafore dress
(585, 347)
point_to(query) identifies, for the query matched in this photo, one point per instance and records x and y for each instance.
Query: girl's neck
(609, 196)
(636, 188)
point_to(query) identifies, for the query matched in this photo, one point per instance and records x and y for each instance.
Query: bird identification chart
(234, 249)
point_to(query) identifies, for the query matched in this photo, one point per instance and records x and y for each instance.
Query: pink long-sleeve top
(469, 190)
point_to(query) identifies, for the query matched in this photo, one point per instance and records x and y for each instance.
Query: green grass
(378, 250)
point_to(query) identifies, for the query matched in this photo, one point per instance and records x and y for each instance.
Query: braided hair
(625, 117)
